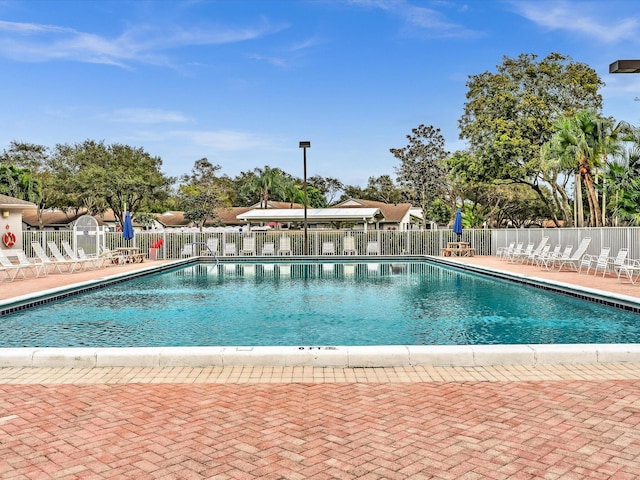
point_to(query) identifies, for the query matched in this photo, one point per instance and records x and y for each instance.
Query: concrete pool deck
(331, 356)
(562, 421)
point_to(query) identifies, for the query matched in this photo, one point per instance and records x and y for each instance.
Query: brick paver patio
(547, 422)
(497, 430)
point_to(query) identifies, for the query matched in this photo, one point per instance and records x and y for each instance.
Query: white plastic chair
(599, 262)
(230, 249)
(349, 246)
(212, 246)
(49, 264)
(328, 248)
(248, 246)
(269, 248)
(285, 246)
(373, 248)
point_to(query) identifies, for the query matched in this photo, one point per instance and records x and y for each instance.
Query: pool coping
(324, 356)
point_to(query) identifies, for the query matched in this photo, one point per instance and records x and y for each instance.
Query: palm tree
(266, 182)
(611, 137)
(579, 143)
(624, 178)
(292, 192)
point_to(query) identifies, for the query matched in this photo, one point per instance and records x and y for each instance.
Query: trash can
(153, 253)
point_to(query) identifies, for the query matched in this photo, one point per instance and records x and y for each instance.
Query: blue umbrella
(127, 228)
(457, 223)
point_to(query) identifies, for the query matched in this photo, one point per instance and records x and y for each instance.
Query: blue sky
(242, 82)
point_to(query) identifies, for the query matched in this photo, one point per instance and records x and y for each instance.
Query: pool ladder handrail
(213, 254)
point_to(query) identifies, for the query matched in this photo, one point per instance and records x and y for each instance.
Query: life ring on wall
(9, 239)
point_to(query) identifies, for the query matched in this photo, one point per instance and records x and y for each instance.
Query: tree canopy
(115, 176)
(510, 114)
(422, 173)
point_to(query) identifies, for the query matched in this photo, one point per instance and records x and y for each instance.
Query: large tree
(202, 192)
(509, 114)
(115, 176)
(328, 186)
(37, 160)
(19, 183)
(422, 172)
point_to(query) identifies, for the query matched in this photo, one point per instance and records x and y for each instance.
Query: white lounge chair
(248, 246)
(598, 262)
(550, 262)
(328, 248)
(230, 249)
(517, 250)
(619, 260)
(269, 248)
(111, 257)
(531, 258)
(86, 261)
(546, 254)
(349, 246)
(94, 260)
(629, 270)
(36, 267)
(9, 272)
(373, 248)
(73, 264)
(212, 246)
(502, 251)
(49, 264)
(573, 262)
(188, 250)
(521, 255)
(285, 246)
(10, 269)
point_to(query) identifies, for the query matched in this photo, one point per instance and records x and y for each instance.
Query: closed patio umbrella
(127, 228)
(457, 223)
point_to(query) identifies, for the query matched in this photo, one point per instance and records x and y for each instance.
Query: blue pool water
(313, 304)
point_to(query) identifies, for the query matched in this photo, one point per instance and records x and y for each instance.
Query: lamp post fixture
(625, 66)
(304, 145)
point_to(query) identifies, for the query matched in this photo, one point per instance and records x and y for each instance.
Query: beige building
(11, 211)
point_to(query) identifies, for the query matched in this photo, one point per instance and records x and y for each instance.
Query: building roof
(313, 214)
(224, 216)
(6, 201)
(51, 218)
(393, 213)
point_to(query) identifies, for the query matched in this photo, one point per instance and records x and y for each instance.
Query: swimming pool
(284, 304)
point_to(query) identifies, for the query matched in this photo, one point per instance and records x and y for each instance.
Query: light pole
(304, 146)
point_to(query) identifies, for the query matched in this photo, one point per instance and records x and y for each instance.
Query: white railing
(376, 242)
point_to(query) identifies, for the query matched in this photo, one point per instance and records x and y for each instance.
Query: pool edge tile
(503, 355)
(128, 357)
(191, 356)
(17, 357)
(441, 355)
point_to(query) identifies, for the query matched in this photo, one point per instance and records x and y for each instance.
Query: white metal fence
(613, 237)
(378, 242)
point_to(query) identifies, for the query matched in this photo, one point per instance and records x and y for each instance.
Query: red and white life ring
(9, 239)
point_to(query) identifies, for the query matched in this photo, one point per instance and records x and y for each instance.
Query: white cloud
(140, 44)
(580, 17)
(145, 116)
(419, 19)
(227, 140)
